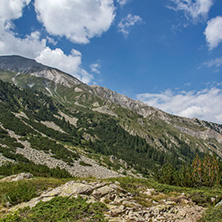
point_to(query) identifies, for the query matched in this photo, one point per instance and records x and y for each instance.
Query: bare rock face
(206, 134)
(17, 177)
(57, 77)
(124, 101)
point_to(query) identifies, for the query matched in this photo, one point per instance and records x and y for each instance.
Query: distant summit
(20, 64)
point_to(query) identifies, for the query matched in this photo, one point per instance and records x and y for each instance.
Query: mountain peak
(20, 64)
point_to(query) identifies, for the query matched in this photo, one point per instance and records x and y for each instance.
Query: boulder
(149, 192)
(219, 204)
(69, 189)
(102, 191)
(17, 177)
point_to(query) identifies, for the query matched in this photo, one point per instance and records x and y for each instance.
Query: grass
(213, 214)
(60, 209)
(12, 193)
(82, 163)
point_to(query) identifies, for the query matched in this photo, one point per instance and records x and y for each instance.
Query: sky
(166, 53)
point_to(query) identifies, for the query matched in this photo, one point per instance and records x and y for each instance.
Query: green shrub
(12, 193)
(16, 192)
(200, 199)
(36, 170)
(60, 209)
(214, 214)
(82, 163)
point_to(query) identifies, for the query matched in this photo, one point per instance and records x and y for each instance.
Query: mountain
(114, 131)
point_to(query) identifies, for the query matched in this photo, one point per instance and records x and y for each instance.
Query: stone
(98, 185)
(17, 177)
(131, 204)
(98, 193)
(76, 188)
(149, 192)
(117, 211)
(170, 203)
(219, 204)
(69, 189)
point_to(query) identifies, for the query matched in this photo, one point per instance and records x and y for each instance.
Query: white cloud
(127, 22)
(32, 46)
(51, 40)
(213, 32)
(217, 63)
(68, 63)
(122, 2)
(77, 20)
(205, 104)
(193, 9)
(95, 68)
(12, 9)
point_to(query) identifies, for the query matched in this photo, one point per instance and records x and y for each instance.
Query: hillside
(112, 124)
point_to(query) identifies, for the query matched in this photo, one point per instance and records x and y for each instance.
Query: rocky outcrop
(205, 134)
(71, 120)
(124, 101)
(57, 77)
(53, 126)
(17, 177)
(122, 205)
(105, 110)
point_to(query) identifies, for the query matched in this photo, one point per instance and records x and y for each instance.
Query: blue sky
(167, 53)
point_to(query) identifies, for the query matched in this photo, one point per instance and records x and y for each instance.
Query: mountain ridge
(164, 132)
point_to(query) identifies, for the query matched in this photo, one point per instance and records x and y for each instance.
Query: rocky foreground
(122, 205)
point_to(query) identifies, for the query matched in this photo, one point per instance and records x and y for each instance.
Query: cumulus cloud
(127, 22)
(213, 32)
(95, 68)
(77, 20)
(193, 9)
(12, 9)
(32, 46)
(68, 63)
(205, 104)
(122, 2)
